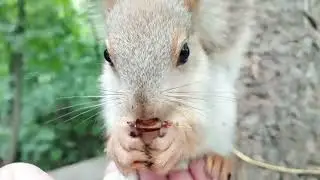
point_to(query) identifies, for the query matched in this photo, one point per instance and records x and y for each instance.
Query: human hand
(25, 171)
(196, 171)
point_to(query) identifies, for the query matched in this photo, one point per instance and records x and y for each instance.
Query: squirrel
(177, 61)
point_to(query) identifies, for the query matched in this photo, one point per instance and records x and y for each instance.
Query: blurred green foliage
(61, 59)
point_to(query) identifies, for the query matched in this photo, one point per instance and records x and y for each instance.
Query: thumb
(23, 171)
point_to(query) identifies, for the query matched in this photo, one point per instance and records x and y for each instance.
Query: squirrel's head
(152, 60)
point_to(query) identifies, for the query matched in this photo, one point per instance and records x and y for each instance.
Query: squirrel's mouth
(148, 122)
(149, 125)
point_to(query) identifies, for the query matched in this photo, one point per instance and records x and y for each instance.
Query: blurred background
(49, 65)
(50, 59)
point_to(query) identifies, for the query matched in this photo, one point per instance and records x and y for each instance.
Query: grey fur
(140, 35)
(143, 57)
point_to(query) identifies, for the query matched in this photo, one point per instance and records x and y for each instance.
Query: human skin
(25, 171)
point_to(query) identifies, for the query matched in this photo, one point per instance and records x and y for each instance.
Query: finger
(197, 170)
(226, 170)
(217, 165)
(171, 163)
(166, 160)
(139, 165)
(128, 157)
(180, 175)
(163, 142)
(126, 161)
(131, 143)
(209, 163)
(23, 171)
(149, 175)
(131, 161)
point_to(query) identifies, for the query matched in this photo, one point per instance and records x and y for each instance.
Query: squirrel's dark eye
(184, 54)
(107, 56)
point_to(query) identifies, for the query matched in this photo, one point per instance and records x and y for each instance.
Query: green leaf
(59, 60)
(56, 154)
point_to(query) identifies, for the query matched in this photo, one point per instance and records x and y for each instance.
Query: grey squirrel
(174, 60)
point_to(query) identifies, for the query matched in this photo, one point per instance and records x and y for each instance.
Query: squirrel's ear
(109, 4)
(191, 5)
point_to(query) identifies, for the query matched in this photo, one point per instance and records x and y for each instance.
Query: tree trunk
(279, 93)
(16, 72)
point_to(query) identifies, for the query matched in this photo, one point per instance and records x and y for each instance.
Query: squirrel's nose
(145, 111)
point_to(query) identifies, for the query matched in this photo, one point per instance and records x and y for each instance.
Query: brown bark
(16, 72)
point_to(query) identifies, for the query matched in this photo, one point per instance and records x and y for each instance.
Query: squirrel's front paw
(177, 143)
(126, 151)
(218, 167)
(166, 152)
